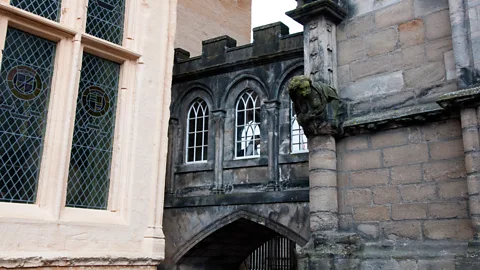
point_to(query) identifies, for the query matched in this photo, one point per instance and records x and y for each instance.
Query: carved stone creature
(319, 109)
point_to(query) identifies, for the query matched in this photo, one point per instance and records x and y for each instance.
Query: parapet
(268, 41)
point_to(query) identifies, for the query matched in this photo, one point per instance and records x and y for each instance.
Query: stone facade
(202, 20)
(127, 234)
(396, 188)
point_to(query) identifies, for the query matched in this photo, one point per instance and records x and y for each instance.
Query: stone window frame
(300, 133)
(72, 41)
(256, 124)
(202, 130)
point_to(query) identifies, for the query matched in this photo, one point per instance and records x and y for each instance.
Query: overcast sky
(269, 11)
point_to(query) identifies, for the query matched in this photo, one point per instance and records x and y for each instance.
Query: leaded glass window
(298, 139)
(90, 161)
(49, 9)
(105, 19)
(197, 131)
(25, 81)
(248, 125)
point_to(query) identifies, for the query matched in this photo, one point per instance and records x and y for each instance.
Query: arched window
(248, 125)
(298, 138)
(197, 132)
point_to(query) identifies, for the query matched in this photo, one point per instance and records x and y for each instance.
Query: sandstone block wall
(394, 54)
(202, 20)
(405, 184)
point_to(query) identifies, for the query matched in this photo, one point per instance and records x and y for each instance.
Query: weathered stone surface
(369, 231)
(436, 49)
(418, 192)
(402, 230)
(382, 42)
(361, 26)
(358, 197)
(389, 138)
(425, 75)
(384, 195)
(450, 65)
(394, 14)
(375, 85)
(406, 174)
(371, 213)
(444, 170)
(369, 67)
(409, 57)
(446, 150)
(442, 130)
(351, 50)
(411, 33)
(356, 143)
(451, 190)
(425, 7)
(343, 76)
(409, 211)
(460, 229)
(438, 25)
(369, 178)
(405, 155)
(361, 160)
(447, 210)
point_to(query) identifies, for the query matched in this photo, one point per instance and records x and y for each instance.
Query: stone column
(219, 127)
(471, 143)
(463, 18)
(319, 112)
(171, 155)
(272, 112)
(467, 77)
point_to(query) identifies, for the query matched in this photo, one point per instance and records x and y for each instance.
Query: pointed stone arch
(239, 215)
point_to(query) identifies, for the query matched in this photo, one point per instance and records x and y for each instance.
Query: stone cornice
(316, 9)
(461, 99)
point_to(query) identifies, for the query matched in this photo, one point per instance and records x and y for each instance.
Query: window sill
(241, 163)
(194, 167)
(293, 158)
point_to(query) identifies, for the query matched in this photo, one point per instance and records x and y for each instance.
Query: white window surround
(197, 132)
(298, 140)
(247, 126)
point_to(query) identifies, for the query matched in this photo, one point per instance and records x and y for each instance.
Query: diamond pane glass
(248, 125)
(25, 80)
(49, 9)
(197, 131)
(105, 19)
(90, 161)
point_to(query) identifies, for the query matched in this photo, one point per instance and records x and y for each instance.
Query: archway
(228, 247)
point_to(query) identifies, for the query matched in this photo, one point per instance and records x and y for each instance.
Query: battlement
(268, 41)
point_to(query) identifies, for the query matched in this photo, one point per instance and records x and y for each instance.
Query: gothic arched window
(197, 132)
(248, 125)
(298, 138)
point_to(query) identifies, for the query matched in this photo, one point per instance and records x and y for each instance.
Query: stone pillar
(468, 77)
(171, 155)
(272, 112)
(321, 121)
(219, 127)
(471, 143)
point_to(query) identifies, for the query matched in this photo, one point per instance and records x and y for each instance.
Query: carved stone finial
(319, 109)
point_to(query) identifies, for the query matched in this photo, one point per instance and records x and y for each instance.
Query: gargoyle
(319, 109)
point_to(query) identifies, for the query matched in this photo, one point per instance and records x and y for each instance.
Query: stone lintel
(238, 199)
(467, 98)
(316, 9)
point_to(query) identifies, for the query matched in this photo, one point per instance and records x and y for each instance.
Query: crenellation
(270, 42)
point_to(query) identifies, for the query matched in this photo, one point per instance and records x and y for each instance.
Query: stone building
(390, 180)
(84, 95)
(202, 20)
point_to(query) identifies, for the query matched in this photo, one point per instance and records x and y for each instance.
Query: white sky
(270, 11)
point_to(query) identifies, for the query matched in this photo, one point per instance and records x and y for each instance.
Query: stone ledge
(466, 98)
(238, 199)
(315, 9)
(395, 118)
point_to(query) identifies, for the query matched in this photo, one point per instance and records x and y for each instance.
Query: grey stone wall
(395, 54)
